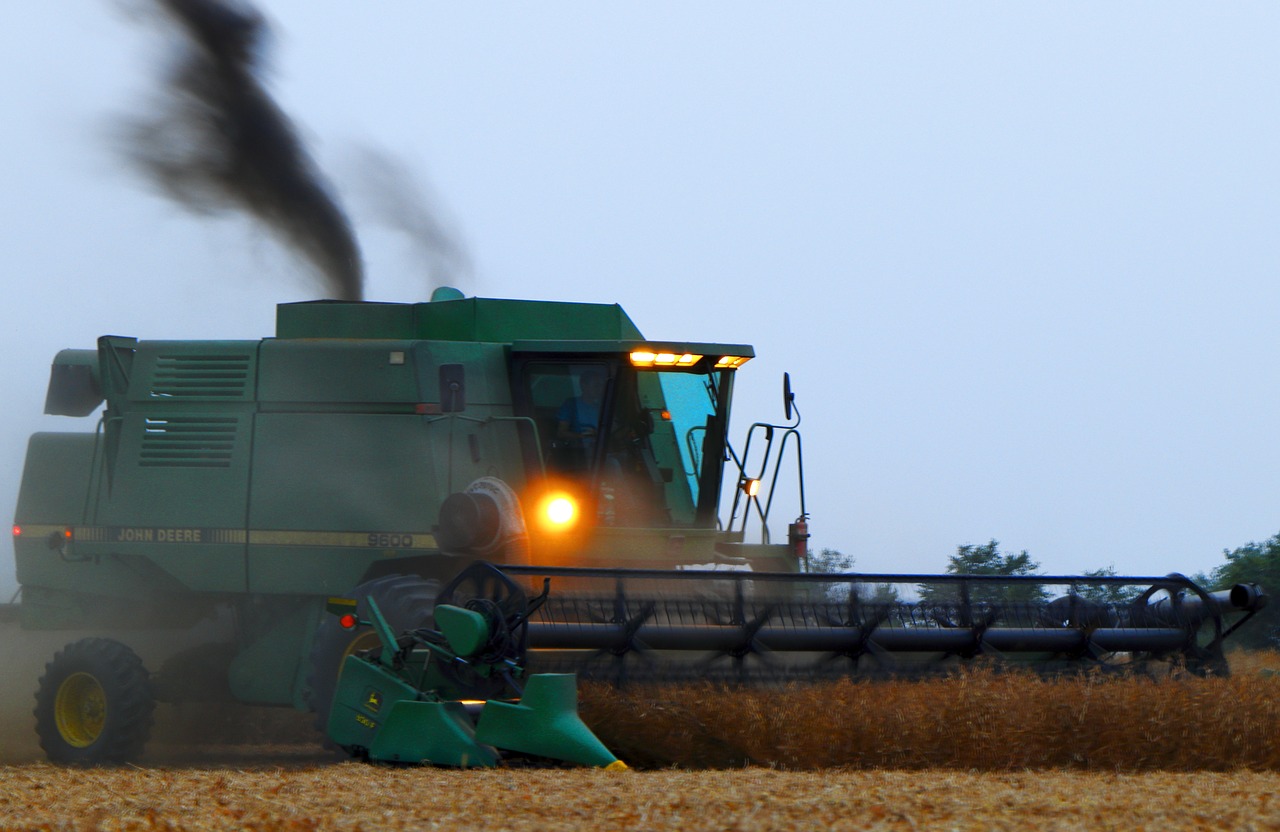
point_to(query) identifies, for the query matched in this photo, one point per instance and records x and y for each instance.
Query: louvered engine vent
(200, 376)
(188, 442)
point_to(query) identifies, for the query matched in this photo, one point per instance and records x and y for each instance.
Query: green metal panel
(484, 366)
(363, 701)
(430, 732)
(165, 373)
(174, 491)
(90, 579)
(369, 479)
(317, 569)
(544, 722)
(626, 346)
(344, 472)
(178, 468)
(52, 498)
(465, 630)
(334, 372)
(340, 319)
(99, 605)
(272, 669)
(169, 495)
(333, 492)
(55, 481)
(471, 319)
(483, 319)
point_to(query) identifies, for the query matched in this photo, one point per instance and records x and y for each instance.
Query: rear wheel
(405, 601)
(94, 704)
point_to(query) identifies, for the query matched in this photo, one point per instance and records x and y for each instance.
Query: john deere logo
(373, 700)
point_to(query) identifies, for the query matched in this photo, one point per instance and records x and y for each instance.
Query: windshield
(648, 444)
(684, 405)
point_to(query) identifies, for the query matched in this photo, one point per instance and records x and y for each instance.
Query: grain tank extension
(374, 451)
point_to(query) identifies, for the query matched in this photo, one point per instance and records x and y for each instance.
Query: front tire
(94, 704)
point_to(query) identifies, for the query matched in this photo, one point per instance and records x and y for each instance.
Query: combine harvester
(371, 453)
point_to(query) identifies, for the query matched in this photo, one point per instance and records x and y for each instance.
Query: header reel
(746, 626)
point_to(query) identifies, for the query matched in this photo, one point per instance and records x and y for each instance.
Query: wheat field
(979, 720)
(982, 750)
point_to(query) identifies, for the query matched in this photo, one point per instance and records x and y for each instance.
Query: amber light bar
(647, 358)
(681, 360)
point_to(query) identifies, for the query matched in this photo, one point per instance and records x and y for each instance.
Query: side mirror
(788, 398)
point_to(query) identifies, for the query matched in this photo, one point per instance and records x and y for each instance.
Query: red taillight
(348, 621)
(17, 530)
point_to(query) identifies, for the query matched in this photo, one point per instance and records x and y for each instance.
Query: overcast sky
(1020, 259)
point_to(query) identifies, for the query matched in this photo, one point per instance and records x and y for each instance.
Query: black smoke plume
(217, 141)
(397, 199)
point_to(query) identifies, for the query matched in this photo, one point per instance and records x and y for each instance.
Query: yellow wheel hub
(364, 641)
(80, 709)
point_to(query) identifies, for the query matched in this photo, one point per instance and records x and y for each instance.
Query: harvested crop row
(351, 796)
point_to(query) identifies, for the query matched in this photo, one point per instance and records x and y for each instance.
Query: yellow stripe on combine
(361, 540)
(32, 530)
(256, 537)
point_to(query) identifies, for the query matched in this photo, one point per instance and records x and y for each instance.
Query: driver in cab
(578, 419)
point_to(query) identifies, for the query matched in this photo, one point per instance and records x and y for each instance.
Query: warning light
(751, 487)
(557, 512)
(348, 621)
(17, 530)
(561, 510)
(666, 415)
(67, 533)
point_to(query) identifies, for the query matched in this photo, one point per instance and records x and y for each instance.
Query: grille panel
(199, 376)
(188, 442)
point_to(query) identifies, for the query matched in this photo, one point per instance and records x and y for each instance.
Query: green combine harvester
(370, 455)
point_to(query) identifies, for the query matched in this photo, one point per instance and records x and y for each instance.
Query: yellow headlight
(560, 510)
(557, 511)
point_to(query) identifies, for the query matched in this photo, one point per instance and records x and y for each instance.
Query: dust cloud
(186, 733)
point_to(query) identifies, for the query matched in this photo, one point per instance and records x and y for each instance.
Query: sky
(1020, 260)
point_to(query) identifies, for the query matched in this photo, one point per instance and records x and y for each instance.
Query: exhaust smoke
(217, 141)
(398, 200)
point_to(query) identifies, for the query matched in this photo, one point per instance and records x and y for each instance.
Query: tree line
(1253, 563)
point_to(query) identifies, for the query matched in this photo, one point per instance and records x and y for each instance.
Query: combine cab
(375, 451)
